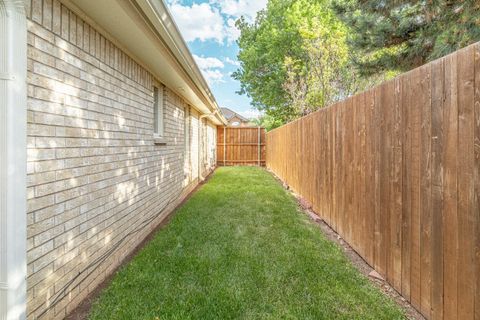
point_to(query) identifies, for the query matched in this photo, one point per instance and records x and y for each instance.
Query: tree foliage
(319, 77)
(403, 34)
(266, 121)
(301, 55)
(293, 58)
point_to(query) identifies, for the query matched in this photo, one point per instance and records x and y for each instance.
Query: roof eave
(157, 11)
(145, 30)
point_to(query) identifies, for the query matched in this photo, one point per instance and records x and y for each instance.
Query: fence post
(224, 145)
(259, 146)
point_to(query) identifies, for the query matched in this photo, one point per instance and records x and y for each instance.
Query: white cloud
(214, 20)
(238, 8)
(232, 62)
(208, 62)
(213, 76)
(199, 21)
(210, 68)
(249, 114)
(232, 32)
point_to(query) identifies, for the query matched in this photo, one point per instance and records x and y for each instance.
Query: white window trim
(13, 160)
(159, 112)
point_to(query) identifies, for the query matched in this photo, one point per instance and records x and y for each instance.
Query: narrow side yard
(239, 249)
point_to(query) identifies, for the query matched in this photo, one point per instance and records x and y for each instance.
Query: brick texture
(97, 183)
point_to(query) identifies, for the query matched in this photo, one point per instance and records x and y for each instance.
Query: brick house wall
(97, 183)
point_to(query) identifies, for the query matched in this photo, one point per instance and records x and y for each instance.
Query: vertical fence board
(415, 190)
(396, 177)
(407, 100)
(437, 189)
(370, 176)
(353, 174)
(425, 191)
(349, 182)
(477, 181)
(323, 165)
(450, 152)
(334, 167)
(361, 159)
(379, 254)
(386, 176)
(465, 183)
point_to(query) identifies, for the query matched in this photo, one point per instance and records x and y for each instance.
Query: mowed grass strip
(240, 249)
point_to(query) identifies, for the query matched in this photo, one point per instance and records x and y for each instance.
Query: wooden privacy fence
(396, 172)
(240, 146)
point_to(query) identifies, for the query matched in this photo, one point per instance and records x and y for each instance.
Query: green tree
(318, 77)
(266, 121)
(403, 34)
(293, 58)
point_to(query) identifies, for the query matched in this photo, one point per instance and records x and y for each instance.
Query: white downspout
(13, 159)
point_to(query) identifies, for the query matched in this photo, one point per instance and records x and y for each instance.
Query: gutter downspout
(200, 177)
(13, 159)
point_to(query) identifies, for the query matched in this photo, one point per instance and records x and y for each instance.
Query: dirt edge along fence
(395, 171)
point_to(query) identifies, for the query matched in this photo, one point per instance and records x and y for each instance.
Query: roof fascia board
(159, 16)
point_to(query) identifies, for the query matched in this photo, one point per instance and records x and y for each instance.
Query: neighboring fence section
(396, 171)
(240, 146)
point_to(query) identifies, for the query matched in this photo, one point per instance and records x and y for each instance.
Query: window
(235, 123)
(158, 110)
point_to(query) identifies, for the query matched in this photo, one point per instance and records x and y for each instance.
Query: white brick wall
(94, 173)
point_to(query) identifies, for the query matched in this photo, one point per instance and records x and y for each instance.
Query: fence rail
(240, 146)
(396, 171)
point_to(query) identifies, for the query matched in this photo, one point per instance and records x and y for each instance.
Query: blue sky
(208, 27)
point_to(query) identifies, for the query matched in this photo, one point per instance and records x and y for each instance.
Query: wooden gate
(240, 146)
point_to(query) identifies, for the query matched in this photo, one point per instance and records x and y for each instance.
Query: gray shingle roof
(229, 114)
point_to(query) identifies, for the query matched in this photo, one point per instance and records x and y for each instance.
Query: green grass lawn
(241, 249)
